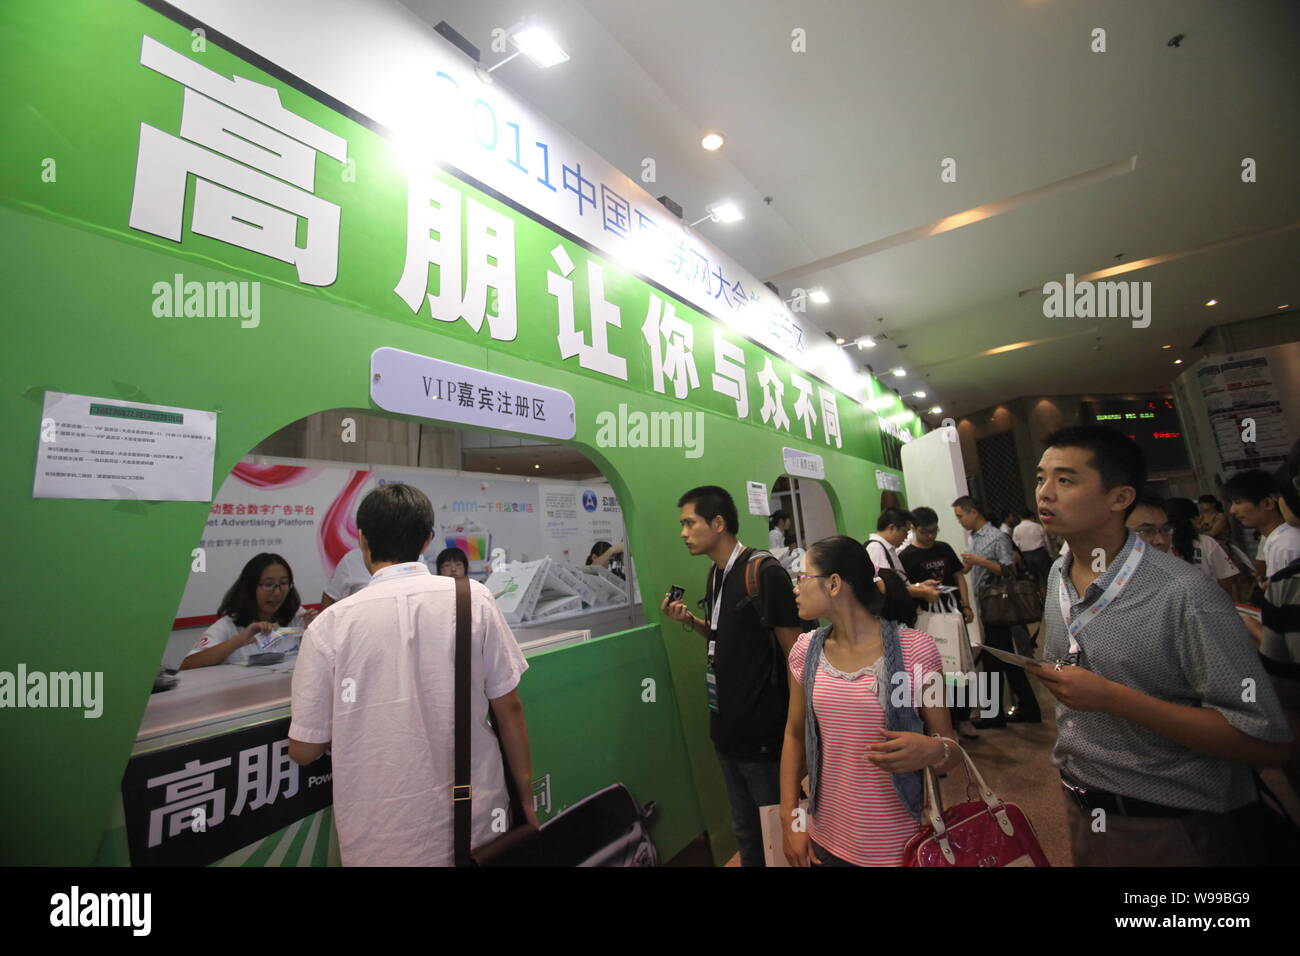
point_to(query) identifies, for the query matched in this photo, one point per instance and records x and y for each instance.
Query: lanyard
(1107, 598)
(717, 587)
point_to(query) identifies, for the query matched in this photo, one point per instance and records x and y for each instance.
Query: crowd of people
(1168, 699)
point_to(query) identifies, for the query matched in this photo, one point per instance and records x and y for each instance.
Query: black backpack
(754, 563)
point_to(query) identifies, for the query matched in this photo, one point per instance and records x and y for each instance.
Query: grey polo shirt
(1172, 634)
(989, 542)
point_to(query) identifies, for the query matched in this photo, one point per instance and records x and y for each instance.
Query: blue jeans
(750, 784)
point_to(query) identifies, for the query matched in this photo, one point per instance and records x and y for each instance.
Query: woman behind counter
(261, 599)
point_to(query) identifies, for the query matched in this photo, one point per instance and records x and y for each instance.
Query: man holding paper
(1163, 705)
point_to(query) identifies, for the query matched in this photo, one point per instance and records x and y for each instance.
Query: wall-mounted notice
(107, 448)
(887, 482)
(431, 388)
(803, 464)
(1245, 412)
(758, 503)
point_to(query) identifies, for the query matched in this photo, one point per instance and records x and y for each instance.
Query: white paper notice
(113, 449)
(758, 503)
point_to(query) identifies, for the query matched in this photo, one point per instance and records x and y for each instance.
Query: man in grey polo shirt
(989, 558)
(1163, 707)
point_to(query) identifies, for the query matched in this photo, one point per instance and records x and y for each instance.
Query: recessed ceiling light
(1166, 346)
(899, 372)
(537, 466)
(839, 340)
(819, 296)
(936, 410)
(1178, 361)
(712, 141)
(1285, 305)
(918, 394)
(1213, 302)
(865, 342)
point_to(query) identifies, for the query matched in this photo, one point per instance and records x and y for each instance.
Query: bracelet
(944, 741)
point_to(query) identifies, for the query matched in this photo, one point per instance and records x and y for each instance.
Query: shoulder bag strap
(462, 792)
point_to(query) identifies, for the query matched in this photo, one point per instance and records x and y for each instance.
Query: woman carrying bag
(852, 723)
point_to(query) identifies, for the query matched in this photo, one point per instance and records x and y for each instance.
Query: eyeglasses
(1150, 530)
(283, 586)
(800, 578)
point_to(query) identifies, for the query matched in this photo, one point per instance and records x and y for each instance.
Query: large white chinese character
(803, 408)
(235, 200)
(261, 782)
(185, 790)
(597, 355)
(433, 207)
(676, 362)
(831, 417)
(772, 409)
(729, 377)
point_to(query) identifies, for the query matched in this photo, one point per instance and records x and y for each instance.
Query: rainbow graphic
(478, 547)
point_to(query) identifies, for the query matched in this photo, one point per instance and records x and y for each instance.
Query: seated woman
(863, 749)
(605, 555)
(262, 599)
(452, 563)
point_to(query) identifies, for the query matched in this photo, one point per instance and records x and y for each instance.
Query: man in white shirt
(350, 576)
(892, 528)
(1254, 504)
(375, 682)
(1030, 538)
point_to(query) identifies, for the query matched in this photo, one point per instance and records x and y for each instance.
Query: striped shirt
(988, 542)
(859, 816)
(1174, 635)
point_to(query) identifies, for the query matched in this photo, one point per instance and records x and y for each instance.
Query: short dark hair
(1115, 456)
(967, 503)
(898, 517)
(709, 501)
(1285, 486)
(923, 517)
(1211, 500)
(450, 554)
(397, 520)
(240, 601)
(1253, 486)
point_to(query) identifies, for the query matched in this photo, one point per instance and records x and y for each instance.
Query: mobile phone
(675, 594)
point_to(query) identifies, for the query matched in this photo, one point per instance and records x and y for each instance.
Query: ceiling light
(1285, 305)
(865, 342)
(819, 296)
(1178, 361)
(898, 372)
(1213, 302)
(839, 339)
(726, 212)
(539, 46)
(936, 410)
(918, 394)
(1166, 346)
(537, 466)
(712, 141)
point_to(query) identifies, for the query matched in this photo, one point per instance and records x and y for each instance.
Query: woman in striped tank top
(859, 734)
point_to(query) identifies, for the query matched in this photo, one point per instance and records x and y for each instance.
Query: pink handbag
(981, 832)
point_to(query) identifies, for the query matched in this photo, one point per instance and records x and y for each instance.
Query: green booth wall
(93, 585)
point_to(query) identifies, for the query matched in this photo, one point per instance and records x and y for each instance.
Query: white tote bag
(943, 622)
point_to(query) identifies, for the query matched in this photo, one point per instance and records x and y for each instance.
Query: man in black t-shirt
(928, 559)
(749, 638)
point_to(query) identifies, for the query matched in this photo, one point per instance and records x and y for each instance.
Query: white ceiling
(847, 138)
